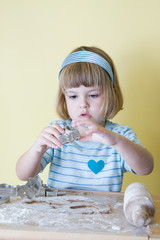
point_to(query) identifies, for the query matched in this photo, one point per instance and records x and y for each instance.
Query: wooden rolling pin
(138, 205)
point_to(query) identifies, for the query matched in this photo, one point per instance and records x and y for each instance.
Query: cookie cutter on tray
(29, 190)
(33, 188)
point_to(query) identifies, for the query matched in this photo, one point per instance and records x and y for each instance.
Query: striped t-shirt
(91, 166)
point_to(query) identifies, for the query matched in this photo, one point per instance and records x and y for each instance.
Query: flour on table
(82, 212)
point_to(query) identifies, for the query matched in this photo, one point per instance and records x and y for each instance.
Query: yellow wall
(36, 35)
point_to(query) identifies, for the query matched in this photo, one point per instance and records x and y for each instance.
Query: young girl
(89, 95)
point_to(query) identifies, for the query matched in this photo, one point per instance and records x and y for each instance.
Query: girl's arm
(138, 158)
(28, 165)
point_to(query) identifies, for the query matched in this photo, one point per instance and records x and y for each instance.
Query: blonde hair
(89, 74)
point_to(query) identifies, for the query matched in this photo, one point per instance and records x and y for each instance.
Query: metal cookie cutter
(4, 199)
(71, 134)
(7, 192)
(52, 192)
(32, 188)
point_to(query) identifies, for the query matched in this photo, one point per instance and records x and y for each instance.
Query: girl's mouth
(85, 115)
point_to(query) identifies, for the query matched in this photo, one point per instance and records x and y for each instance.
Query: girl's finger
(52, 131)
(83, 122)
(50, 144)
(87, 138)
(58, 127)
(53, 139)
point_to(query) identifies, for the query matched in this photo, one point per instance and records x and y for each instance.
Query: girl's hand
(49, 138)
(138, 158)
(94, 132)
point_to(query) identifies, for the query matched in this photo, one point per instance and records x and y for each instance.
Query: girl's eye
(73, 97)
(93, 95)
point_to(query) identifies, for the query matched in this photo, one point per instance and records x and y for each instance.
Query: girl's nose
(83, 103)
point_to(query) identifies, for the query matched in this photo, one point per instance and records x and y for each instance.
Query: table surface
(77, 215)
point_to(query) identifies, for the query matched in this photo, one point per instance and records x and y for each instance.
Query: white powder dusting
(88, 212)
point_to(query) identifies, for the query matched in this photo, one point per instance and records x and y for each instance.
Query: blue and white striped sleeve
(47, 158)
(132, 136)
(128, 133)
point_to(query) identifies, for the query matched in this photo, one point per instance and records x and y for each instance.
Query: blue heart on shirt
(96, 167)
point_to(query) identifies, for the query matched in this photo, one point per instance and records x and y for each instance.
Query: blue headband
(86, 56)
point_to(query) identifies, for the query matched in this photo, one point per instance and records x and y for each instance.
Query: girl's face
(85, 102)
